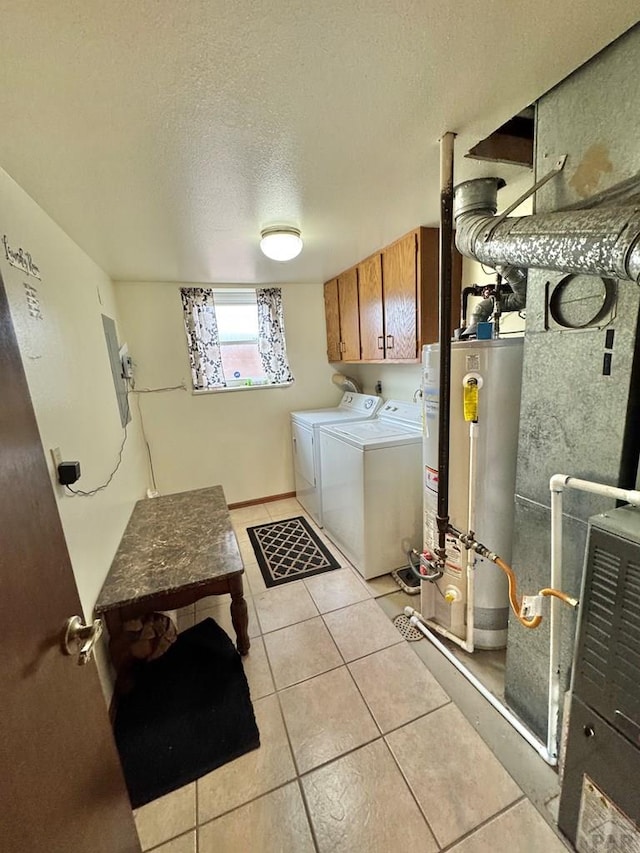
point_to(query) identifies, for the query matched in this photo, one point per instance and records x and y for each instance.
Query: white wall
(399, 381)
(67, 367)
(239, 439)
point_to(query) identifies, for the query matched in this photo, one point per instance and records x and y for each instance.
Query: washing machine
(372, 487)
(306, 444)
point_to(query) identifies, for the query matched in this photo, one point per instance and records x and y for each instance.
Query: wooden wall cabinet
(371, 308)
(394, 293)
(342, 317)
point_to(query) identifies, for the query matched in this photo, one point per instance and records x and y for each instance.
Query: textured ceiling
(163, 136)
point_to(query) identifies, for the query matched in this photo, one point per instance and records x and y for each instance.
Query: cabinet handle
(380, 341)
(389, 341)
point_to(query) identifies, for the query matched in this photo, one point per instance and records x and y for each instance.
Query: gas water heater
(469, 603)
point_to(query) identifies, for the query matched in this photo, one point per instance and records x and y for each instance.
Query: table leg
(239, 614)
(119, 651)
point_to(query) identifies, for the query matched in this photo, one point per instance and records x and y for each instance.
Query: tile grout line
(406, 722)
(307, 812)
(240, 805)
(411, 792)
(297, 772)
(484, 823)
(295, 779)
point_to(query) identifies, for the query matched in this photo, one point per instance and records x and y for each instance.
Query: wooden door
(332, 319)
(371, 315)
(399, 285)
(349, 315)
(61, 785)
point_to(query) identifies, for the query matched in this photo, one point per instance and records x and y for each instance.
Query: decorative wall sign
(33, 301)
(20, 259)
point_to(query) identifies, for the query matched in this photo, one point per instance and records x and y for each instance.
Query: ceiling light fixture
(281, 244)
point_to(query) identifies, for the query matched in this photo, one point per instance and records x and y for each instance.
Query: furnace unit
(600, 800)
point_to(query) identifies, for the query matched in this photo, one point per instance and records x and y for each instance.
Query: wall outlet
(56, 455)
(127, 367)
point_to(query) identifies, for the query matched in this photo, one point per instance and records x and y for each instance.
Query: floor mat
(188, 713)
(289, 550)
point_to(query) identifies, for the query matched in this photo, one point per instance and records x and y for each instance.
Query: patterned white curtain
(271, 343)
(202, 336)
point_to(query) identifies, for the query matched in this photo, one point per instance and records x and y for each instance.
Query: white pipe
(557, 484)
(445, 632)
(416, 620)
(471, 525)
(467, 643)
(553, 697)
(561, 481)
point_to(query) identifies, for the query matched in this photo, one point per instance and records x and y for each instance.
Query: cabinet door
(349, 315)
(332, 319)
(399, 285)
(429, 285)
(371, 317)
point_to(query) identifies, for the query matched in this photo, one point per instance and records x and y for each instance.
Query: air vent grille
(599, 609)
(626, 663)
(608, 661)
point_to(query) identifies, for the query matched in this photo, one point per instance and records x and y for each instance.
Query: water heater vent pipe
(444, 301)
(602, 241)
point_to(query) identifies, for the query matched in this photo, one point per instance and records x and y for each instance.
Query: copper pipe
(515, 603)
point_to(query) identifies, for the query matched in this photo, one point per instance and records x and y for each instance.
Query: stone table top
(172, 543)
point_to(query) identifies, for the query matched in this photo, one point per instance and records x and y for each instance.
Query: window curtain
(202, 337)
(271, 343)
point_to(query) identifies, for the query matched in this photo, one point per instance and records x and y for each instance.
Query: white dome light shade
(281, 244)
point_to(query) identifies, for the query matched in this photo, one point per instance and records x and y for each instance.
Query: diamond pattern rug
(289, 550)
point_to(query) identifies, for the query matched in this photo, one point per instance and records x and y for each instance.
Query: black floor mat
(288, 550)
(188, 713)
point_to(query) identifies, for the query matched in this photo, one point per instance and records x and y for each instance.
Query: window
(235, 337)
(237, 316)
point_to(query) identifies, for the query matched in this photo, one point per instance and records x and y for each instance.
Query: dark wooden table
(176, 550)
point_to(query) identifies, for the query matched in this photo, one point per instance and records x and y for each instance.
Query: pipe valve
(430, 567)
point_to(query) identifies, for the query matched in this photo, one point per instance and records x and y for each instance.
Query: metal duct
(604, 241)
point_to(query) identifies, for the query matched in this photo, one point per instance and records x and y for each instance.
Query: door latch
(80, 639)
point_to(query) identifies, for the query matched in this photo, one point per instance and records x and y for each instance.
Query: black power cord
(79, 493)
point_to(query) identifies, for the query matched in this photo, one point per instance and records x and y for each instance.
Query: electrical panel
(119, 382)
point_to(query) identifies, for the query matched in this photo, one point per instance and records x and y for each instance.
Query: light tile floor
(362, 750)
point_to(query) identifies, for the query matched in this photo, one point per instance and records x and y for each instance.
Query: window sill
(197, 392)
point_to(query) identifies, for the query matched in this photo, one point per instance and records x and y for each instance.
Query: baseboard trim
(266, 500)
